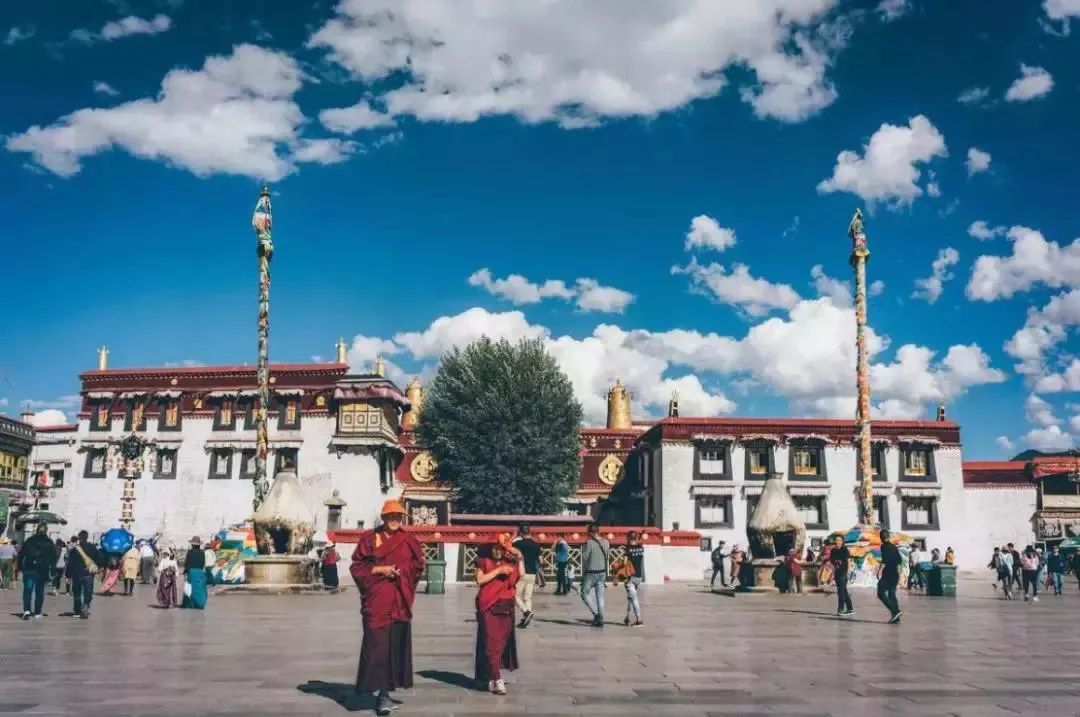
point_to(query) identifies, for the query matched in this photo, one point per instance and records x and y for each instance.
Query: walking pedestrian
(838, 559)
(386, 565)
(794, 568)
(195, 594)
(330, 559)
(58, 566)
(1016, 565)
(83, 563)
(1029, 569)
(167, 572)
(36, 561)
(1001, 564)
(7, 563)
(147, 558)
(1056, 566)
(719, 555)
(562, 557)
(735, 563)
(129, 566)
(595, 558)
(889, 577)
(635, 559)
(529, 550)
(1041, 576)
(498, 571)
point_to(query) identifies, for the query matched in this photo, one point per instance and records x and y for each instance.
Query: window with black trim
(919, 513)
(759, 460)
(95, 463)
(878, 471)
(247, 464)
(881, 504)
(807, 461)
(225, 415)
(751, 506)
(288, 413)
(101, 417)
(918, 463)
(56, 478)
(170, 418)
(135, 417)
(221, 464)
(249, 414)
(286, 459)
(812, 510)
(712, 461)
(166, 464)
(712, 511)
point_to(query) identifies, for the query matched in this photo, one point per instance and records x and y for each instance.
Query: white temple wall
(995, 516)
(678, 473)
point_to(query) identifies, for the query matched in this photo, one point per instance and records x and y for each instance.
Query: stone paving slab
(699, 654)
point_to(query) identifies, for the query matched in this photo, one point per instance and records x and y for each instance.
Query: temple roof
(996, 474)
(946, 432)
(203, 378)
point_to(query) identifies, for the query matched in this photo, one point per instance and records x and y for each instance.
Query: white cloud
(104, 88)
(352, 119)
(234, 116)
(1062, 10)
(706, 233)
(876, 288)
(323, 151)
(838, 291)
(1005, 443)
(1034, 260)
(18, 34)
(1034, 82)
(1040, 412)
(933, 189)
(1049, 439)
(753, 296)
(973, 95)
(977, 161)
(70, 402)
(887, 171)
(1043, 330)
(1067, 380)
(931, 287)
(577, 63)
(982, 231)
(589, 293)
(124, 27)
(890, 10)
(48, 417)
(591, 296)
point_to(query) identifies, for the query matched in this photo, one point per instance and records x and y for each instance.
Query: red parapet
(543, 534)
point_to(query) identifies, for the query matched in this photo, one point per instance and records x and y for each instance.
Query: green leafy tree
(502, 422)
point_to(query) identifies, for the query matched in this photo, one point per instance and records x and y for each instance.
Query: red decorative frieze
(573, 535)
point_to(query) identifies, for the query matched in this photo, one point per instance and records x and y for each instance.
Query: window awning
(97, 395)
(712, 438)
(225, 393)
(880, 490)
(918, 441)
(749, 490)
(759, 437)
(920, 492)
(289, 391)
(134, 394)
(169, 394)
(808, 489)
(702, 489)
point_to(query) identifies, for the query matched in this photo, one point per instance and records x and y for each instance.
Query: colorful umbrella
(117, 541)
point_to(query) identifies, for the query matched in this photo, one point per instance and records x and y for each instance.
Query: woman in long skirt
(330, 560)
(497, 573)
(166, 587)
(112, 576)
(195, 572)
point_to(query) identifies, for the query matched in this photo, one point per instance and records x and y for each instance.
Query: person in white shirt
(147, 558)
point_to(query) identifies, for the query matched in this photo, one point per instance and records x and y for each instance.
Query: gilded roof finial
(102, 358)
(341, 351)
(618, 415)
(941, 410)
(380, 366)
(415, 395)
(673, 405)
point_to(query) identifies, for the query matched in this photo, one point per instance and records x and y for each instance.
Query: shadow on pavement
(340, 692)
(454, 679)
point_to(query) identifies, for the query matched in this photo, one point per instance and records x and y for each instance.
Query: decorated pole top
(859, 249)
(262, 221)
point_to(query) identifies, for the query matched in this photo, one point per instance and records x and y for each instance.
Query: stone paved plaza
(699, 654)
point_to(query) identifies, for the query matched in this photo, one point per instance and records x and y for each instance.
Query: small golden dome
(618, 415)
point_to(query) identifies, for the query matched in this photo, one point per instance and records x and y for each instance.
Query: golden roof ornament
(673, 405)
(618, 413)
(941, 411)
(102, 358)
(415, 395)
(341, 351)
(380, 366)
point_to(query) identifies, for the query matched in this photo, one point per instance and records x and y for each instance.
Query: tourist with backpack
(595, 557)
(83, 563)
(719, 555)
(36, 561)
(1002, 564)
(631, 573)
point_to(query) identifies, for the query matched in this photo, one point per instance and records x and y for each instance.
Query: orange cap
(504, 541)
(392, 507)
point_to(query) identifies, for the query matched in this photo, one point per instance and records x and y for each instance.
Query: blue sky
(662, 179)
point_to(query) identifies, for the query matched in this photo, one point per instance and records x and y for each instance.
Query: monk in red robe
(387, 564)
(497, 572)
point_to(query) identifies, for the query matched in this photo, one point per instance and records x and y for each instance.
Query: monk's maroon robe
(386, 608)
(496, 646)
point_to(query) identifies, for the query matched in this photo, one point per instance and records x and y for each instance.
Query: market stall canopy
(39, 516)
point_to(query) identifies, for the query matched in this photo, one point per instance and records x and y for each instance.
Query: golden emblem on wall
(320, 400)
(423, 468)
(610, 470)
(592, 442)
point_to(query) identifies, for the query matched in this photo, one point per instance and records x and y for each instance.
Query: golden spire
(415, 394)
(341, 351)
(673, 405)
(102, 358)
(618, 406)
(380, 366)
(941, 410)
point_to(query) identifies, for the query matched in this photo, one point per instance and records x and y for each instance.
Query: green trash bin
(941, 581)
(436, 577)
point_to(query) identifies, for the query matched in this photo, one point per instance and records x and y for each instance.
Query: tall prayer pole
(262, 221)
(859, 254)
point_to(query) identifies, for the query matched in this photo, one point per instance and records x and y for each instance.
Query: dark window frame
(129, 415)
(88, 470)
(881, 451)
(931, 467)
(247, 463)
(815, 446)
(935, 518)
(701, 447)
(220, 425)
(95, 408)
(770, 466)
(729, 511)
(215, 456)
(281, 453)
(55, 482)
(823, 510)
(282, 404)
(162, 424)
(249, 414)
(881, 504)
(158, 474)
